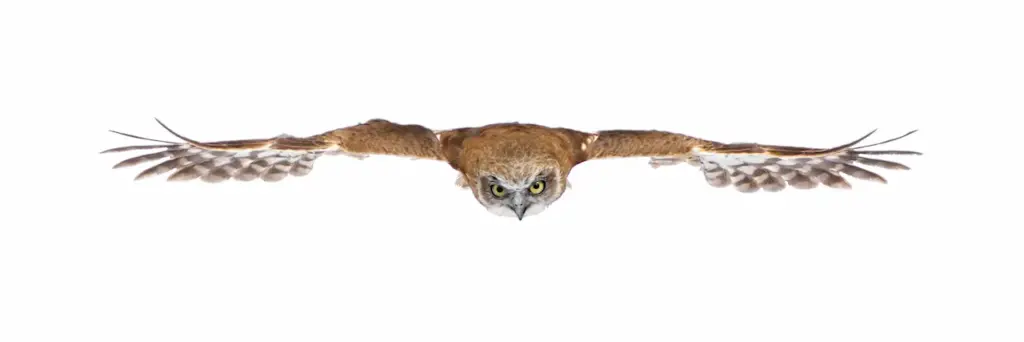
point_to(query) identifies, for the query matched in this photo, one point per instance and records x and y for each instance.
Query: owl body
(514, 169)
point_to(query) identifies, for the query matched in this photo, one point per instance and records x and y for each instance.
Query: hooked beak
(519, 205)
(520, 210)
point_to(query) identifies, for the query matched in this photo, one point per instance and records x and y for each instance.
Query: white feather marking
(714, 174)
(759, 179)
(731, 159)
(502, 211)
(657, 162)
(787, 161)
(274, 160)
(535, 209)
(748, 169)
(264, 154)
(589, 140)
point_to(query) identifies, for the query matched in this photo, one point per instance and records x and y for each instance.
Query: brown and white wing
(747, 167)
(273, 159)
(752, 167)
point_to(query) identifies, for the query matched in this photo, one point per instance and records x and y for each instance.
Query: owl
(513, 169)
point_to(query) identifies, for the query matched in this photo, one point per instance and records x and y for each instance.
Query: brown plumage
(514, 169)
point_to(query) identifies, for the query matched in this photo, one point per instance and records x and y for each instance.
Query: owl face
(520, 196)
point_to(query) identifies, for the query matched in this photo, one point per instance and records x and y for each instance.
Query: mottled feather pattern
(273, 159)
(185, 162)
(753, 167)
(636, 143)
(189, 163)
(270, 160)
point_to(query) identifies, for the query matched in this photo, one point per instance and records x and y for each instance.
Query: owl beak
(520, 210)
(519, 205)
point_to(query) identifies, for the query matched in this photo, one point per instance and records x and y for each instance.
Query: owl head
(520, 191)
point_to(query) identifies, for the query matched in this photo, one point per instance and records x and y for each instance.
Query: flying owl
(514, 169)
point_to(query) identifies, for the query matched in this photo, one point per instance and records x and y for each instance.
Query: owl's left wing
(748, 167)
(273, 159)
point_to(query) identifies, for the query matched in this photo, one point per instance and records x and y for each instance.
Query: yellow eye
(537, 187)
(498, 190)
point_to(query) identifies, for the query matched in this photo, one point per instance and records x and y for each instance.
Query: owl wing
(749, 167)
(273, 159)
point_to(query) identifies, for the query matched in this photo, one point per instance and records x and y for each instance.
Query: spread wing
(273, 159)
(750, 167)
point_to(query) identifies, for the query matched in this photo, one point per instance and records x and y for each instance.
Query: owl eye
(498, 190)
(537, 187)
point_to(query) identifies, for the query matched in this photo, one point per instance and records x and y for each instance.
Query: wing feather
(753, 167)
(274, 159)
(749, 167)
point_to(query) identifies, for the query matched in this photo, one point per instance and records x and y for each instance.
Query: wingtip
(850, 144)
(872, 132)
(140, 137)
(111, 150)
(909, 133)
(179, 136)
(887, 141)
(161, 123)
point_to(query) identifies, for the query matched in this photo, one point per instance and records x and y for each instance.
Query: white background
(388, 249)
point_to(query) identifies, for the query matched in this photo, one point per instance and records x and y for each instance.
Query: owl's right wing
(746, 166)
(273, 159)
